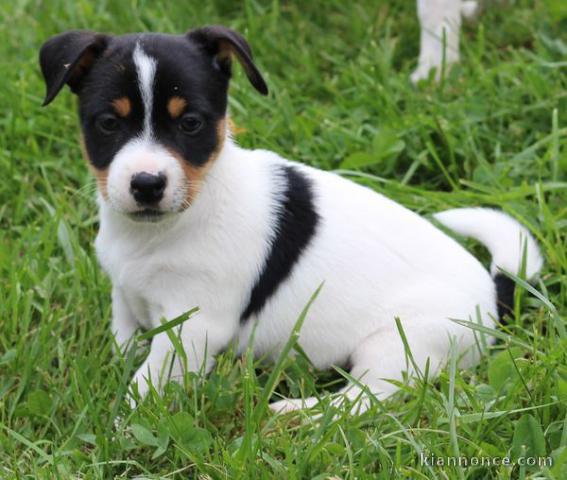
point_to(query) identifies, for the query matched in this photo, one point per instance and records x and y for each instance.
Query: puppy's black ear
(65, 59)
(222, 43)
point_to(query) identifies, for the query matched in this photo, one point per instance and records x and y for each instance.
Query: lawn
(490, 133)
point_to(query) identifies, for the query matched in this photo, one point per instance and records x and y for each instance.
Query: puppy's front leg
(202, 338)
(124, 323)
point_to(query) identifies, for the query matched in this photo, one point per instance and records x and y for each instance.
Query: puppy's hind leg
(440, 24)
(378, 363)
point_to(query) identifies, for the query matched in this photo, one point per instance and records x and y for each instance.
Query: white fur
(440, 24)
(146, 69)
(379, 262)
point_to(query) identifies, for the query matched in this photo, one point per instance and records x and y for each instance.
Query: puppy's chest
(169, 278)
(155, 287)
(157, 275)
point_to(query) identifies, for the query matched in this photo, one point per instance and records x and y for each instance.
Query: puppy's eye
(107, 123)
(190, 123)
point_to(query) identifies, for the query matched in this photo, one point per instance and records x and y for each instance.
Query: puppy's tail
(510, 244)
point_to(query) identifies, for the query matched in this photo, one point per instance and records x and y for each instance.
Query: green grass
(492, 133)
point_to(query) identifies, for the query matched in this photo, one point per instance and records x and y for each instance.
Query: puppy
(188, 218)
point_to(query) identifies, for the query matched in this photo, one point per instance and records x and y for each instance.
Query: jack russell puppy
(188, 218)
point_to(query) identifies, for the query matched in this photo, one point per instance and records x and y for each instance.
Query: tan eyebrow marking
(175, 106)
(122, 106)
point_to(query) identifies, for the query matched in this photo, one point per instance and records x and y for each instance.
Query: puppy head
(152, 109)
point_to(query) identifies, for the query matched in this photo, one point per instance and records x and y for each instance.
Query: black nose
(146, 188)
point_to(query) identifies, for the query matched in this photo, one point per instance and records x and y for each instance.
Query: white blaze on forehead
(146, 70)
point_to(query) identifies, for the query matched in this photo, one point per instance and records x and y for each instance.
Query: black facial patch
(202, 87)
(296, 224)
(504, 295)
(182, 70)
(194, 68)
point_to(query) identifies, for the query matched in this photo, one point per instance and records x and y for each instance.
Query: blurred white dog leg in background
(440, 22)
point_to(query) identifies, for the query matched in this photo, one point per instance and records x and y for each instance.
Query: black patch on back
(504, 295)
(296, 224)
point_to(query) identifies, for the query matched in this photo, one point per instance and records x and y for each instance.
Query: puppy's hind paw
(288, 405)
(420, 73)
